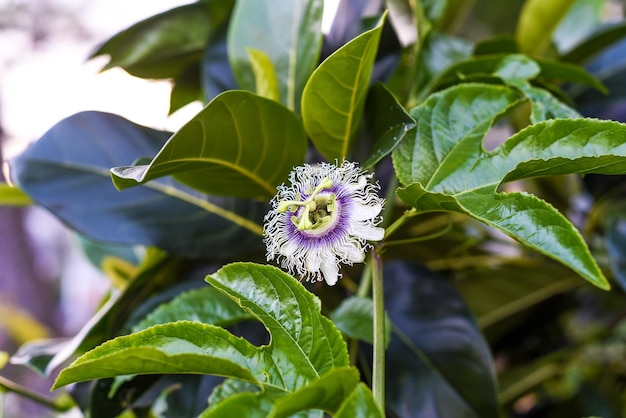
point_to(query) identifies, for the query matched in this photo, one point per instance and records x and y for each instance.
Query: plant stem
(7, 385)
(378, 370)
(399, 222)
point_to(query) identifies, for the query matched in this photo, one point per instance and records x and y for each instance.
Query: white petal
(313, 262)
(353, 252)
(368, 232)
(330, 271)
(365, 212)
(288, 249)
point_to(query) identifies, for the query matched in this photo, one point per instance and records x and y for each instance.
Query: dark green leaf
(217, 76)
(360, 404)
(67, 171)
(334, 97)
(537, 22)
(240, 144)
(206, 305)
(287, 31)
(164, 45)
(390, 122)
(186, 88)
(544, 105)
(437, 355)
(446, 168)
(304, 344)
(355, 318)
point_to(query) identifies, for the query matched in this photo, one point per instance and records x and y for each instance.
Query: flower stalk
(378, 370)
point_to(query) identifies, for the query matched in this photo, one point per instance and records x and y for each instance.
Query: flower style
(324, 218)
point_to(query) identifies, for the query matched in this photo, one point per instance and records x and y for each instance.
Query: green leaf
(551, 71)
(354, 317)
(206, 304)
(544, 105)
(264, 75)
(67, 172)
(390, 122)
(287, 31)
(360, 404)
(537, 22)
(301, 336)
(334, 97)
(326, 393)
(12, 196)
(164, 45)
(446, 168)
(240, 144)
(595, 44)
(517, 66)
(304, 344)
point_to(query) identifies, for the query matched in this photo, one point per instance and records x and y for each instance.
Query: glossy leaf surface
(206, 305)
(334, 97)
(446, 168)
(440, 363)
(67, 172)
(360, 404)
(240, 144)
(389, 120)
(287, 32)
(164, 45)
(302, 339)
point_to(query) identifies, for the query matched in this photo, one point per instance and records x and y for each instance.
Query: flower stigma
(324, 218)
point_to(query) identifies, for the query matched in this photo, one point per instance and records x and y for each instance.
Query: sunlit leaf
(240, 144)
(265, 81)
(360, 404)
(445, 168)
(287, 32)
(537, 22)
(205, 304)
(302, 339)
(334, 97)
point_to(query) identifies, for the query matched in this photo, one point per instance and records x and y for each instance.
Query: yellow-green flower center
(317, 210)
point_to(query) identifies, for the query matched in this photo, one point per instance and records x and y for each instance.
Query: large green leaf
(166, 44)
(481, 65)
(537, 22)
(355, 318)
(326, 393)
(240, 144)
(67, 172)
(445, 168)
(334, 97)
(288, 32)
(304, 344)
(206, 304)
(360, 404)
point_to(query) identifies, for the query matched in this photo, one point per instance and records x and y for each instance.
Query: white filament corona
(322, 219)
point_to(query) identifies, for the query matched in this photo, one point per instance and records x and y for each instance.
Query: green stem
(399, 222)
(7, 385)
(378, 370)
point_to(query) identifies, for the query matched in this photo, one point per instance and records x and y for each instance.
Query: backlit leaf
(240, 144)
(334, 97)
